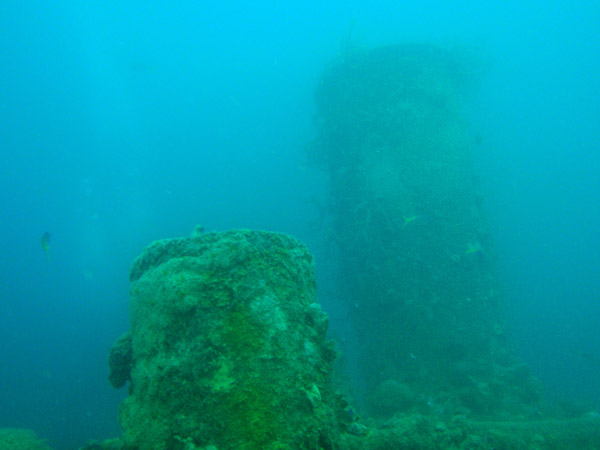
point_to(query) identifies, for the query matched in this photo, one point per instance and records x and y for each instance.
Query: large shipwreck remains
(417, 259)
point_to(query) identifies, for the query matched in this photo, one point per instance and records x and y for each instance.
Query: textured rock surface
(459, 433)
(417, 261)
(20, 439)
(119, 361)
(228, 346)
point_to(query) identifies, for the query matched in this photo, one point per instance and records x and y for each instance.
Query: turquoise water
(127, 122)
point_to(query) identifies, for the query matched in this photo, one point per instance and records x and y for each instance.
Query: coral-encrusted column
(416, 255)
(228, 346)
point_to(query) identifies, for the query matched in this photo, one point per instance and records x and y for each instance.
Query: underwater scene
(299, 225)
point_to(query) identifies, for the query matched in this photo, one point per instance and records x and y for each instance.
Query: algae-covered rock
(109, 444)
(228, 346)
(119, 361)
(416, 431)
(417, 264)
(20, 439)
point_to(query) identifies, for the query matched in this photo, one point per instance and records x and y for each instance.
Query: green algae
(228, 347)
(21, 439)
(414, 240)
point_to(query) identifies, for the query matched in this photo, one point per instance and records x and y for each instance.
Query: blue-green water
(125, 122)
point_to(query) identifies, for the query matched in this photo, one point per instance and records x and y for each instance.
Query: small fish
(46, 243)
(409, 219)
(473, 247)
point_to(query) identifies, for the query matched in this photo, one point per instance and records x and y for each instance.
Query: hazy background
(124, 122)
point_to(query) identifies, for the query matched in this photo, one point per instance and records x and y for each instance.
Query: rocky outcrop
(228, 347)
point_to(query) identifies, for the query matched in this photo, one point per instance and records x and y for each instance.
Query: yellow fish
(409, 219)
(473, 247)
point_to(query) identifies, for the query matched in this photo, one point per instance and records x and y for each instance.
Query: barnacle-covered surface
(21, 439)
(228, 346)
(416, 253)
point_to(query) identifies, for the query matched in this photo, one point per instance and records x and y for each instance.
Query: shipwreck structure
(227, 347)
(417, 258)
(227, 350)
